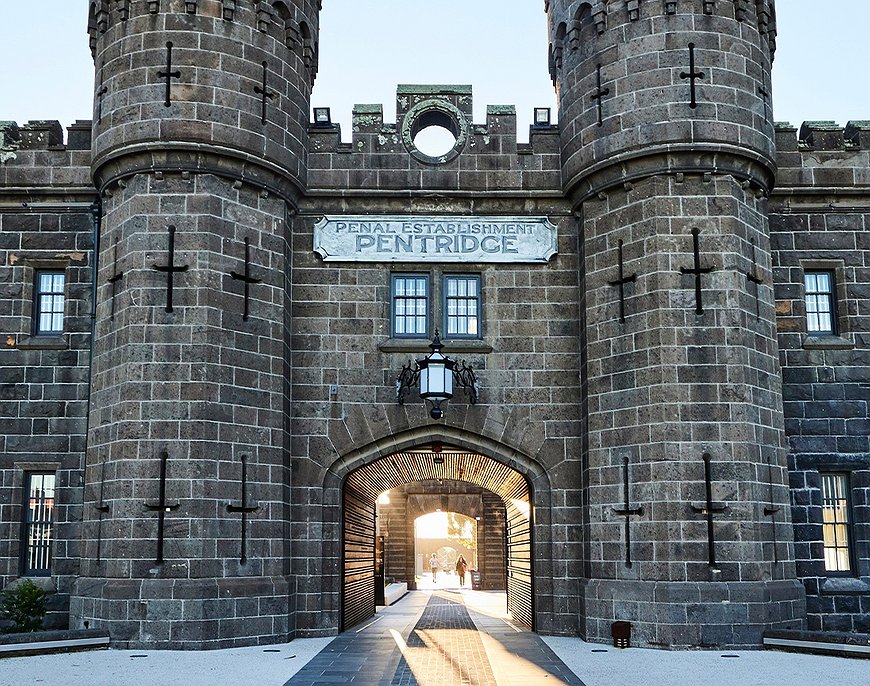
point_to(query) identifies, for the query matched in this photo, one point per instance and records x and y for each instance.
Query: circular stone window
(434, 131)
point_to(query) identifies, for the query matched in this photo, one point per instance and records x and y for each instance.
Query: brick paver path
(444, 648)
(436, 640)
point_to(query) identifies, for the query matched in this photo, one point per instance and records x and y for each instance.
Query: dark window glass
(38, 522)
(410, 305)
(48, 315)
(819, 295)
(835, 522)
(462, 306)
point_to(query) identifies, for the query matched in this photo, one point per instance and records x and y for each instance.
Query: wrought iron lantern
(436, 375)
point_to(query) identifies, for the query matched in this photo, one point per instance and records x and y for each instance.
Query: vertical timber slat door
(519, 566)
(359, 559)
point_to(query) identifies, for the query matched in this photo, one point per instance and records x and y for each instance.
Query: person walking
(433, 565)
(461, 567)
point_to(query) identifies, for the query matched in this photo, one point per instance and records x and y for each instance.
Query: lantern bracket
(408, 378)
(462, 373)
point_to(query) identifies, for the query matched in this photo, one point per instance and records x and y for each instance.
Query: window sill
(844, 585)
(42, 343)
(421, 345)
(827, 343)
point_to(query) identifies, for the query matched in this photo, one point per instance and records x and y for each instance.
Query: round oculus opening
(435, 133)
(434, 141)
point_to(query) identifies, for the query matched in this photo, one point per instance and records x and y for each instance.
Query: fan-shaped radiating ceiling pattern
(427, 465)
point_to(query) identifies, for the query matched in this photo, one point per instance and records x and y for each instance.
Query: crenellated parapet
(204, 85)
(823, 157)
(684, 81)
(35, 160)
(45, 135)
(484, 157)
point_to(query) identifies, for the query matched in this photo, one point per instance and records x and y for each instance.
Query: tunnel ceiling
(419, 465)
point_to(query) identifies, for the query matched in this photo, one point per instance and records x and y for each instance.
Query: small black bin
(621, 633)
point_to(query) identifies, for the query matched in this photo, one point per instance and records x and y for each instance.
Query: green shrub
(24, 606)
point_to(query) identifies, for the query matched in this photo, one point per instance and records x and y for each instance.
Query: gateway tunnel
(378, 540)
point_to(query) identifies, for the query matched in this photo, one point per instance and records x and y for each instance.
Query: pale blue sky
(499, 46)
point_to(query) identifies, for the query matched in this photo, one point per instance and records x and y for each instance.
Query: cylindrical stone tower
(200, 119)
(668, 155)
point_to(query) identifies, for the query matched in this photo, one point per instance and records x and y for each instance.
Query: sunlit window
(38, 523)
(835, 522)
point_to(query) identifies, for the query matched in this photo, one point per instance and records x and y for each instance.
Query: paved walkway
(438, 639)
(386, 648)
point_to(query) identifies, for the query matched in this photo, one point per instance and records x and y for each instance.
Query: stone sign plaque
(434, 239)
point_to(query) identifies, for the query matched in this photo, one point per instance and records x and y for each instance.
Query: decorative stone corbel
(190, 6)
(229, 12)
(600, 19)
(123, 7)
(573, 39)
(741, 10)
(292, 37)
(709, 6)
(670, 6)
(264, 16)
(102, 18)
(633, 7)
(153, 6)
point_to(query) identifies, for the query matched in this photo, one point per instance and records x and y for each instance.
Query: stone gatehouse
(656, 310)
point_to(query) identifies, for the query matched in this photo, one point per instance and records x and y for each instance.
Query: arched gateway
(432, 466)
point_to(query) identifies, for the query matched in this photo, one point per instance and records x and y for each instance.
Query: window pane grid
(835, 522)
(39, 519)
(410, 306)
(819, 299)
(462, 305)
(49, 302)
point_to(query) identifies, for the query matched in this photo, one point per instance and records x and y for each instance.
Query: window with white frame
(419, 303)
(461, 306)
(835, 522)
(819, 297)
(410, 305)
(49, 303)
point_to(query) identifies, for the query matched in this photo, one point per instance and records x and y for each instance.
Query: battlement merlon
(45, 134)
(35, 161)
(822, 156)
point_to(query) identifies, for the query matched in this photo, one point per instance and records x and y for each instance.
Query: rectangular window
(819, 297)
(48, 315)
(835, 522)
(410, 305)
(38, 522)
(462, 306)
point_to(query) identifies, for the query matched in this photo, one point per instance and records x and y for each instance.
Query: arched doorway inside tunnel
(445, 535)
(417, 482)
